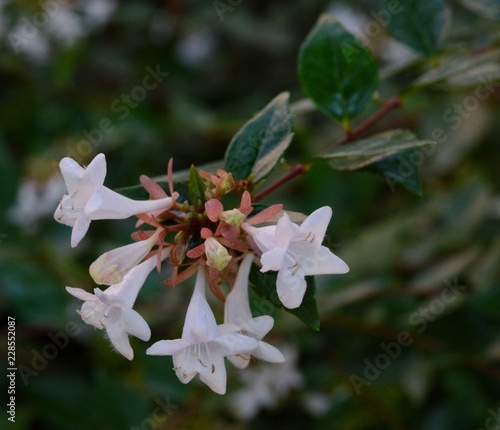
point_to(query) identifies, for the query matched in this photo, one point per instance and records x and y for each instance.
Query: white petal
(258, 327)
(291, 287)
(81, 294)
(234, 344)
(136, 325)
(264, 237)
(273, 259)
(213, 371)
(72, 173)
(115, 328)
(268, 353)
(322, 262)
(96, 171)
(316, 224)
(286, 231)
(80, 228)
(241, 361)
(167, 347)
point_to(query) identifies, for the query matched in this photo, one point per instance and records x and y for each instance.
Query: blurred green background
(424, 270)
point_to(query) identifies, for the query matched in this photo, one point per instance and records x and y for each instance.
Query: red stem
(296, 170)
(386, 108)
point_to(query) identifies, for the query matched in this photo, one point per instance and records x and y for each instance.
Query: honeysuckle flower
(202, 348)
(238, 318)
(112, 266)
(295, 252)
(112, 309)
(88, 199)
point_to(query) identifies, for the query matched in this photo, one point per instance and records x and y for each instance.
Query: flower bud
(232, 217)
(217, 255)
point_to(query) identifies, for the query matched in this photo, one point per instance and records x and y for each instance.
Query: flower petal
(115, 328)
(291, 287)
(72, 173)
(136, 325)
(324, 262)
(167, 347)
(96, 171)
(268, 353)
(80, 228)
(81, 294)
(286, 231)
(273, 259)
(315, 225)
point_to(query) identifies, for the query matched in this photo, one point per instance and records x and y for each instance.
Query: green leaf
(336, 71)
(400, 168)
(259, 145)
(418, 24)
(485, 8)
(196, 187)
(265, 286)
(356, 155)
(461, 66)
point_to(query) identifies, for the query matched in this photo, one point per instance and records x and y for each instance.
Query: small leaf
(265, 286)
(336, 71)
(418, 24)
(485, 8)
(400, 168)
(196, 187)
(259, 145)
(356, 155)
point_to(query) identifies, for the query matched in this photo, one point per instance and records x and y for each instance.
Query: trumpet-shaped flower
(88, 199)
(201, 349)
(112, 266)
(112, 309)
(238, 318)
(295, 252)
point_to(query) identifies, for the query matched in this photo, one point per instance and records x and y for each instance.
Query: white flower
(88, 199)
(238, 318)
(295, 252)
(202, 349)
(112, 309)
(112, 266)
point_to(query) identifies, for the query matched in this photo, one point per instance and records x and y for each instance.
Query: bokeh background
(423, 269)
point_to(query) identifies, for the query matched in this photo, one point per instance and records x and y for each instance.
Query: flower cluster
(193, 235)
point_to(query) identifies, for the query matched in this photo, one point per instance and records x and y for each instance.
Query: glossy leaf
(259, 145)
(196, 187)
(419, 24)
(265, 286)
(356, 155)
(336, 71)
